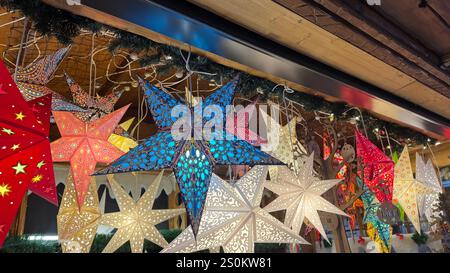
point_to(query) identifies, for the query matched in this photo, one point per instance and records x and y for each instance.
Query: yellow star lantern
(136, 221)
(77, 226)
(407, 189)
(122, 142)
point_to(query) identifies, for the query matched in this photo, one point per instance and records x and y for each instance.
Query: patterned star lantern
(32, 80)
(191, 159)
(83, 144)
(25, 158)
(300, 195)
(288, 148)
(378, 231)
(234, 219)
(136, 221)
(378, 168)
(238, 125)
(120, 137)
(407, 189)
(77, 226)
(426, 174)
(97, 106)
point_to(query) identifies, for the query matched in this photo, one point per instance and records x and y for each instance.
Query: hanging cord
(361, 117)
(389, 142)
(19, 54)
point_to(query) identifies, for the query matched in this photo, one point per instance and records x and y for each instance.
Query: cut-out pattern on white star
(234, 219)
(287, 148)
(300, 195)
(426, 174)
(407, 189)
(136, 221)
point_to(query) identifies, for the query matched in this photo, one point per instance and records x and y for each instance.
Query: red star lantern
(25, 158)
(84, 144)
(378, 168)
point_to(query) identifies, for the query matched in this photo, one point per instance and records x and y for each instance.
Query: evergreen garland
(65, 26)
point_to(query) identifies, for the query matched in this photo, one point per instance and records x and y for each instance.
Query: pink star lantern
(84, 144)
(240, 127)
(378, 168)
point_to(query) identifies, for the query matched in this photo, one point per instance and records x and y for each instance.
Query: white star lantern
(300, 195)
(407, 189)
(426, 174)
(136, 221)
(234, 219)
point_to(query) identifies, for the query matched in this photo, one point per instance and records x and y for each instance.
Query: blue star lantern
(192, 160)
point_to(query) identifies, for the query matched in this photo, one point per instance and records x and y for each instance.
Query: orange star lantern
(84, 144)
(25, 158)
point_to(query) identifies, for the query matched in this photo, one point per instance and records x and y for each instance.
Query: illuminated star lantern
(77, 226)
(379, 232)
(234, 219)
(378, 168)
(136, 221)
(300, 195)
(407, 189)
(238, 125)
(192, 160)
(121, 139)
(25, 158)
(32, 80)
(426, 174)
(283, 144)
(84, 144)
(97, 106)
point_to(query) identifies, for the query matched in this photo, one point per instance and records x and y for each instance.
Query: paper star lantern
(287, 149)
(97, 106)
(25, 158)
(300, 195)
(407, 189)
(238, 125)
(32, 81)
(378, 231)
(192, 160)
(136, 221)
(77, 226)
(378, 168)
(121, 141)
(83, 144)
(234, 220)
(426, 174)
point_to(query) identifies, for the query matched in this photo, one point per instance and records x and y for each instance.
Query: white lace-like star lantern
(234, 219)
(407, 189)
(136, 221)
(300, 195)
(426, 174)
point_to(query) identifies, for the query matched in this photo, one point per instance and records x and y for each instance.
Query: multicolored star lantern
(378, 231)
(25, 158)
(378, 168)
(426, 174)
(97, 106)
(84, 144)
(192, 160)
(407, 189)
(136, 221)
(77, 226)
(300, 195)
(121, 139)
(234, 219)
(32, 80)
